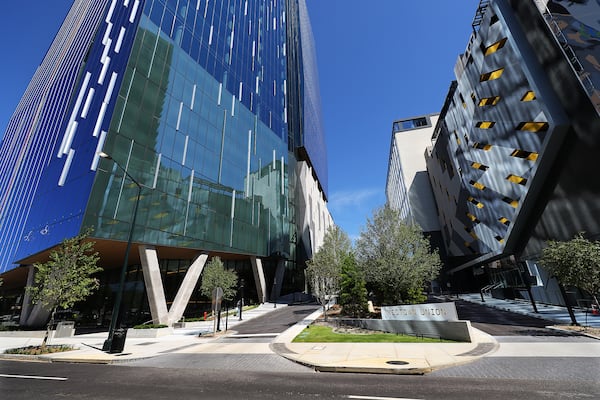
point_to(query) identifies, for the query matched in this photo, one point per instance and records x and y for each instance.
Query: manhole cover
(396, 362)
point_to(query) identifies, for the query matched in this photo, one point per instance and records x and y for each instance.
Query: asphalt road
(121, 382)
(276, 321)
(267, 376)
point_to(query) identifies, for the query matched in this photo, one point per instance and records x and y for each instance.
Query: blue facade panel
(35, 128)
(190, 97)
(58, 208)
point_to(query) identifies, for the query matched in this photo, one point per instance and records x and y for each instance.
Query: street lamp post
(115, 321)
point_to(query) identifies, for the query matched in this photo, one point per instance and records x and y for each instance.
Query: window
(473, 98)
(494, 47)
(475, 201)
(504, 221)
(512, 202)
(490, 76)
(479, 166)
(477, 185)
(528, 96)
(517, 179)
(533, 126)
(482, 146)
(471, 232)
(462, 100)
(473, 218)
(489, 101)
(494, 19)
(499, 239)
(528, 155)
(485, 124)
(456, 137)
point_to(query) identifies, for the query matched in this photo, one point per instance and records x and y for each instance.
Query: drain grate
(397, 362)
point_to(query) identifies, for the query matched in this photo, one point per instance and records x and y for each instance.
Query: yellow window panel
(477, 185)
(479, 166)
(473, 218)
(504, 221)
(467, 244)
(512, 202)
(490, 76)
(500, 239)
(160, 215)
(528, 155)
(494, 47)
(489, 101)
(473, 235)
(482, 146)
(517, 179)
(485, 124)
(533, 126)
(528, 96)
(476, 202)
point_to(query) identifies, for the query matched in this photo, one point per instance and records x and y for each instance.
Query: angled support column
(26, 305)
(186, 289)
(259, 279)
(32, 315)
(276, 291)
(154, 285)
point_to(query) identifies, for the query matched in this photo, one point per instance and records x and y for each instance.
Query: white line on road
(378, 398)
(45, 378)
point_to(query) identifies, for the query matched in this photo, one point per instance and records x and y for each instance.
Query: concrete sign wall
(421, 312)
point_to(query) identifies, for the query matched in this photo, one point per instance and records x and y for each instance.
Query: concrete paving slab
(390, 358)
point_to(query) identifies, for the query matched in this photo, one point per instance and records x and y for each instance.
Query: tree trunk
(324, 312)
(48, 327)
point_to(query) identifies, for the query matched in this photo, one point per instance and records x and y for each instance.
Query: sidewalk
(89, 346)
(390, 358)
(553, 314)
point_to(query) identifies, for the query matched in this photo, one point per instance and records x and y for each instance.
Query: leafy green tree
(395, 258)
(353, 290)
(324, 270)
(215, 275)
(67, 277)
(574, 263)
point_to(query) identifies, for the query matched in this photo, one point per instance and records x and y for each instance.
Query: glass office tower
(202, 103)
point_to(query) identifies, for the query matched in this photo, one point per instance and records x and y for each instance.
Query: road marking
(378, 398)
(45, 378)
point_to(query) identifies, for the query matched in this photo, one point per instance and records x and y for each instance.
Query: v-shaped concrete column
(154, 285)
(156, 293)
(259, 279)
(186, 289)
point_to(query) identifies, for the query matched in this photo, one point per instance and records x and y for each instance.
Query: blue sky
(379, 61)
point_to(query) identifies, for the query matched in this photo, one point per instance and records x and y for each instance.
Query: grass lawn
(325, 334)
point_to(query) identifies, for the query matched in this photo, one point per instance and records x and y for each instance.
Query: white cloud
(341, 200)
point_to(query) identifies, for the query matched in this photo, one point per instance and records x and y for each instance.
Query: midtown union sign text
(421, 312)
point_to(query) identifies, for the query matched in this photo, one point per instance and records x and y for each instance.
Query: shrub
(150, 326)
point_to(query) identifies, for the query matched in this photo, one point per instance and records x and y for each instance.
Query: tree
(324, 270)
(395, 258)
(574, 263)
(353, 290)
(215, 275)
(67, 277)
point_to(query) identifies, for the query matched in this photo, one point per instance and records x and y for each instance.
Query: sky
(378, 60)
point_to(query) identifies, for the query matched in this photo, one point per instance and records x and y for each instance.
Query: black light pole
(242, 284)
(115, 321)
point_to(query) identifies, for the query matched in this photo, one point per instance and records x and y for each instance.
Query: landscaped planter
(148, 333)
